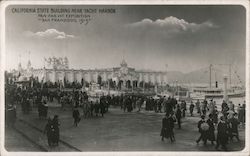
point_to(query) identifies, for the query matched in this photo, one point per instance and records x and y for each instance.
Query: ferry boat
(215, 92)
(203, 93)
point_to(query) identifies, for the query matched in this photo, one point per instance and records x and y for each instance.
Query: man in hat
(191, 108)
(183, 108)
(76, 116)
(204, 107)
(49, 129)
(102, 105)
(164, 133)
(197, 104)
(211, 129)
(178, 116)
(56, 134)
(203, 130)
(222, 134)
(233, 127)
(167, 128)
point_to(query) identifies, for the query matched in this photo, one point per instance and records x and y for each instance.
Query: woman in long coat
(233, 127)
(102, 106)
(76, 116)
(49, 131)
(222, 134)
(96, 108)
(211, 129)
(56, 135)
(167, 128)
(178, 116)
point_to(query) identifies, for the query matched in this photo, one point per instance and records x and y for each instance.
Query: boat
(215, 92)
(203, 93)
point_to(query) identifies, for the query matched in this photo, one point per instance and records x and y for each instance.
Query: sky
(186, 38)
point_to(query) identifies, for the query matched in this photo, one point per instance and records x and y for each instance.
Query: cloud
(171, 25)
(49, 33)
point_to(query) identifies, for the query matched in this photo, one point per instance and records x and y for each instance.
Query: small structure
(22, 82)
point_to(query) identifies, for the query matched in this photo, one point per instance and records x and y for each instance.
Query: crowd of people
(227, 125)
(225, 121)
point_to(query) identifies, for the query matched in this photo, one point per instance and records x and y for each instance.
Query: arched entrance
(135, 83)
(120, 84)
(141, 84)
(128, 84)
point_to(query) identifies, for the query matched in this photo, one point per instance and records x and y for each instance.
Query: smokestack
(225, 96)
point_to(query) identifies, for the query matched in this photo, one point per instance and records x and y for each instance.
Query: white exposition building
(57, 70)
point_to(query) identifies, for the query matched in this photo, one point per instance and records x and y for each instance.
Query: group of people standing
(221, 130)
(226, 125)
(90, 109)
(167, 130)
(227, 129)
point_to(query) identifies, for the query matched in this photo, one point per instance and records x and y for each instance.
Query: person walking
(244, 112)
(124, 104)
(233, 127)
(198, 107)
(76, 116)
(92, 107)
(49, 131)
(191, 108)
(96, 108)
(224, 106)
(159, 102)
(204, 107)
(215, 115)
(183, 108)
(240, 114)
(203, 130)
(45, 109)
(211, 135)
(129, 104)
(167, 128)
(56, 132)
(231, 106)
(222, 134)
(178, 116)
(102, 107)
(138, 104)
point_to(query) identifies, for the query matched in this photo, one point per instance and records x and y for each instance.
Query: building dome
(123, 63)
(29, 64)
(19, 66)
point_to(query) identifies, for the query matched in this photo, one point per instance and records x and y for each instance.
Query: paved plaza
(116, 131)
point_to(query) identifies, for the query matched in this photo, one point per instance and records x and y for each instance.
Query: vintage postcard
(117, 77)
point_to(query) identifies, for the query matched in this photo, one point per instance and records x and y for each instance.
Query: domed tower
(66, 63)
(123, 63)
(19, 67)
(29, 68)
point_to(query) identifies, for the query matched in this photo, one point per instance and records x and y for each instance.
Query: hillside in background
(201, 76)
